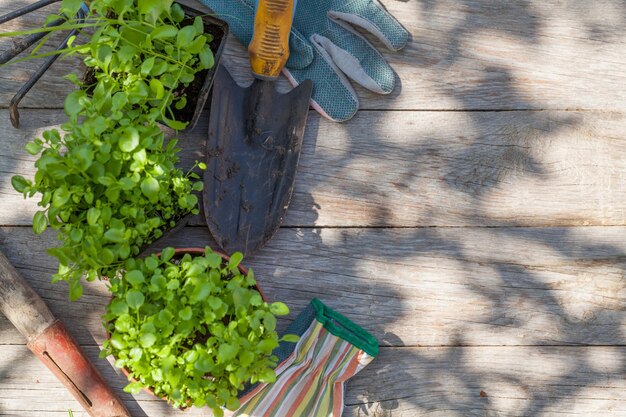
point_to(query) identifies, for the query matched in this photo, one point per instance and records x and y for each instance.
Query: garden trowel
(255, 137)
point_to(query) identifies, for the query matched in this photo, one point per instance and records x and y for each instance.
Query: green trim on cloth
(345, 328)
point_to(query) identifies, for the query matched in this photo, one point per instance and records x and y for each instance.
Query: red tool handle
(53, 345)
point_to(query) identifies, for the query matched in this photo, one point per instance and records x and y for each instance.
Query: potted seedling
(192, 327)
(161, 49)
(108, 180)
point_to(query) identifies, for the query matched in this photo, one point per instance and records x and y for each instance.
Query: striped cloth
(310, 382)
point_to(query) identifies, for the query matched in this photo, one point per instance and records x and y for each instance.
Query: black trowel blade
(253, 147)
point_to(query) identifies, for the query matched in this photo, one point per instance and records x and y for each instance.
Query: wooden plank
(441, 169)
(514, 381)
(462, 55)
(409, 287)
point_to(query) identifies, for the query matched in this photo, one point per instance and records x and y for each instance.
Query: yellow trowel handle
(269, 48)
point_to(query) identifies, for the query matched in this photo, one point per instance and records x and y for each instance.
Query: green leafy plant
(108, 189)
(193, 329)
(108, 181)
(147, 50)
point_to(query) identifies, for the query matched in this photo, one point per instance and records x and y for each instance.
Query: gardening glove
(326, 48)
(311, 375)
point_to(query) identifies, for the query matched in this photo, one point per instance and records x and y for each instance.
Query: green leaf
(76, 235)
(160, 66)
(202, 166)
(60, 196)
(226, 352)
(152, 263)
(147, 339)
(291, 338)
(33, 148)
(83, 155)
(133, 387)
(76, 290)
(163, 32)
(118, 307)
(198, 24)
(178, 14)
(117, 340)
(40, 222)
(279, 309)
(129, 140)
(70, 7)
(135, 277)
(246, 358)
(119, 100)
(104, 54)
(93, 214)
(197, 45)
(233, 403)
(134, 298)
(146, 6)
(136, 353)
(235, 259)
(203, 364)
(174, 124)
(146, 66)
(185, 36)
(206, 57)
(19, 183)
(185, 313)
(167, 254)
(126, 53)
(157, 88)
(113, 194)
(269, 321)
(181, 103)
(268, 376)
(61, 255)
(115, 235)
(72, 103)
(150, 188)
(214, 260)
(107, 256)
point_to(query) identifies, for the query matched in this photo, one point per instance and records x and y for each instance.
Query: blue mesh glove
(326, 48)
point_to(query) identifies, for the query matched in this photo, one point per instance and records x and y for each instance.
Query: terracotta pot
(179, 253)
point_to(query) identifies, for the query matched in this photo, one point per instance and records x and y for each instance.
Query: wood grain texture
(20, 304)
(409, 287)
(419, 169)
(405, 382)
(468, 54)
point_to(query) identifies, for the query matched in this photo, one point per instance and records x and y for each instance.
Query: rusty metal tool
(50, 341)
(255, 138)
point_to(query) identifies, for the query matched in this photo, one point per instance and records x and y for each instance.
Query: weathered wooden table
(474, 220)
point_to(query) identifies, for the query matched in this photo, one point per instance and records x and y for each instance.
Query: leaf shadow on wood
(559, 319)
